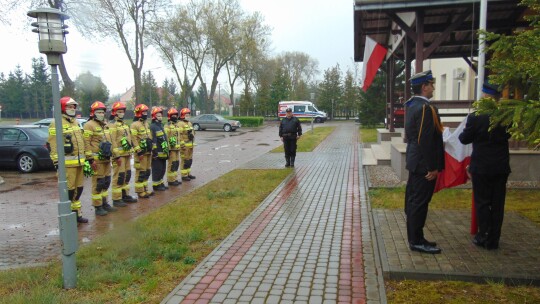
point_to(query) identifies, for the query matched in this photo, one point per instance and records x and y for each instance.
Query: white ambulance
(304, 110)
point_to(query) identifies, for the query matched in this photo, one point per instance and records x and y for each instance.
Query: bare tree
(300, 66)
(253, 50)
(126, 22)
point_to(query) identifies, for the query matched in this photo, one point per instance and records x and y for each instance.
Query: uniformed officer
(489, 168)
(122, 149)
(98, 147)
(186, 152)
(142, 141)
(74, 153)
(172, 130)
(425, 159)
(290, 131)
(160, 150)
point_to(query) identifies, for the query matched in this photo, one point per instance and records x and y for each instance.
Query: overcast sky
(321, 28)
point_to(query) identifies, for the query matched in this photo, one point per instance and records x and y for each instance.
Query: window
(443, 87)
(311, 109)
(299, 109)
(13, 135)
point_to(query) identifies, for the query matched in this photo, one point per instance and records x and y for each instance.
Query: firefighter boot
(191, 176)
(119, 203)
(128, 198)
(186, 178)
(108, 207)
(101, 211)
(80, 219)
(287, 161)
(292, 160)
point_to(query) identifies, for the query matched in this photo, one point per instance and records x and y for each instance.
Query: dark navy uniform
(160, 154)
(290, 129)
(489, 168)
(425, 153)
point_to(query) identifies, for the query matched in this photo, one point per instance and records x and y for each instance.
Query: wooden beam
(440, 38)
(410, 33)
(419, 41)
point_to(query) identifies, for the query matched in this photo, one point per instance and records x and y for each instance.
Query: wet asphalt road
(28, 202)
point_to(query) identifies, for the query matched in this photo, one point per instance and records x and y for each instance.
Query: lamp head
(51, 31)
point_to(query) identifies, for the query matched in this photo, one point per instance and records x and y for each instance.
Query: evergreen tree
(39, 88)
(149, 90)
(89, 88)
(351, 98)
(280, 89)
(15, 93)
(331, 91)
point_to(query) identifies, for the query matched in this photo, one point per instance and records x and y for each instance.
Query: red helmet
(117, 106)
(66, 100)
(139, 109)
(97, 105)
(156, 110)
(171, 112)
(183, 113)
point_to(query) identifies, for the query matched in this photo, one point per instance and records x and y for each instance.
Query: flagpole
(481, 49)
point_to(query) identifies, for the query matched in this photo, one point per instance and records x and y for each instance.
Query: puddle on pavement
(53, 232)
(15, 226)
(263, 144)
(9, 190)
(32, 183)
(225, 161)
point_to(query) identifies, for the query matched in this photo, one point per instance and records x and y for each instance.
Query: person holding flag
(424, 159)
(489, 169)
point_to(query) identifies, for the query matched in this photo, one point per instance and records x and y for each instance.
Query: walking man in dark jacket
(290, 131)
(425, 159)
(489, 168)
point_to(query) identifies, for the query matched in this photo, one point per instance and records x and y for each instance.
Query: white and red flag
(374, 54)
(457, 157)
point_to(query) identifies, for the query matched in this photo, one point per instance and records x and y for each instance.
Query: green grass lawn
(525, 202)
(368, 135)
(309, 140)
(143, 260)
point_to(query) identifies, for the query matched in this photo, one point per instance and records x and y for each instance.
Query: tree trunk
(138, 98)
(69, 86)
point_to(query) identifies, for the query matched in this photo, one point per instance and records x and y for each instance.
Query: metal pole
(481, 49)
(66, 218)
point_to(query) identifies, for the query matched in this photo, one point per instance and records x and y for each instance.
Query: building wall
(455, 80)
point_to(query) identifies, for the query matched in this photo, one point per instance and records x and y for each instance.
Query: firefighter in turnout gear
(121, 152)
(142, 141)
(160, 150)
(98, 151)
(74, 153)
(188, 137)
(173, 132)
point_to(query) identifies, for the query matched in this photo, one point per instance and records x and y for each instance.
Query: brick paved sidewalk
(308, 241)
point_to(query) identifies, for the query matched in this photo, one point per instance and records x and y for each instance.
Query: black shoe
(425, 248)
(160, 187)
(175, 183)
(491, 246)
(432, 244)
(191, 176)
(287, 165)
(129, 199)
(109, 208)
(101, 211)
(119, 203)
(186, 178)
(82, 220)
(479, 240)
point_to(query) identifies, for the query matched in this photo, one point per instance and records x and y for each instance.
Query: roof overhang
(377, 19)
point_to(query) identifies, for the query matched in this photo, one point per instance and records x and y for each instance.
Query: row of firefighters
(155, 148)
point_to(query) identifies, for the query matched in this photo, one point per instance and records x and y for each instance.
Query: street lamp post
(51, 31)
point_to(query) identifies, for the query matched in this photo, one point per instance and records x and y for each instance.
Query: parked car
(214, 121)
(47, 121)
(24, 147)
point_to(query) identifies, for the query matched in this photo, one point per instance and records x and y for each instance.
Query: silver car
(214, 121)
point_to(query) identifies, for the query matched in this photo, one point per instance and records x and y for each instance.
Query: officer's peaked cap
(288, 110)
(422, 77)
(490, 89)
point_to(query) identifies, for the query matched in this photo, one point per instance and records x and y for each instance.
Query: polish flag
(374, 54)
(457, 157)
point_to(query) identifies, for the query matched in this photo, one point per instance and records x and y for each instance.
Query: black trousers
(417, 197)
(289, 144)
(158, 169)
(489, 196)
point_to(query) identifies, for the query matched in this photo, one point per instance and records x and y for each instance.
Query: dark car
(214, 121)
(24, 147)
